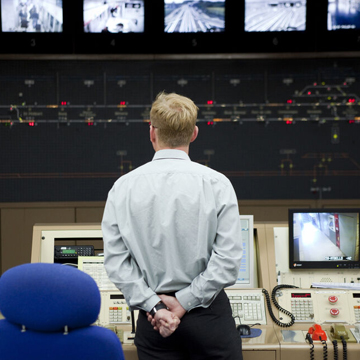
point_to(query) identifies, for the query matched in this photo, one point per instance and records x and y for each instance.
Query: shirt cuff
(150, 303)
(187, 300)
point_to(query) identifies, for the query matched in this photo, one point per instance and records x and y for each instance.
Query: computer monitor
(32, 16)
(247, 278)
(343, 15)
(270, 15)
(184, 16)
(114, 16)
(324, 238)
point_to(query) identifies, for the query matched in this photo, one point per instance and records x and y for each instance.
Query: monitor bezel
(299, 265)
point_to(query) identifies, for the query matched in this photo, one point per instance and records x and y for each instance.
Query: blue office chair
(48, 310)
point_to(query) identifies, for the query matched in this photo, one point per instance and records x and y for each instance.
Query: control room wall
(17, 219)
(60, 153)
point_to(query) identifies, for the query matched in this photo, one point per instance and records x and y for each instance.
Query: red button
(333, 299)
(334, 312)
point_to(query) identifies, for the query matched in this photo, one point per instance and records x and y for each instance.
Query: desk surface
(267, 344)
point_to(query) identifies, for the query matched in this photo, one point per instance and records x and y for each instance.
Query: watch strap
(160, 305)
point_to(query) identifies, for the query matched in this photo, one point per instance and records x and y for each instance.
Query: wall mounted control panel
(114, 309)
(321, 306)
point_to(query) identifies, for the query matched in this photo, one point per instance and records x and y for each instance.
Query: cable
(344, 347)
(273, 294)
(310, 340)
(336, 350)
(325, 349)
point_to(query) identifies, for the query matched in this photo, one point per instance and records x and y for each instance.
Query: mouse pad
(254, 333)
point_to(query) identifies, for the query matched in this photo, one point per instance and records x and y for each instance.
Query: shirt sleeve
(121, 268)
(223, 267)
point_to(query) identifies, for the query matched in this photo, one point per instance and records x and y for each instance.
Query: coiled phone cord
(336, 352)
(273, 298)
(325, 349)
(310, 340)
(344, 347)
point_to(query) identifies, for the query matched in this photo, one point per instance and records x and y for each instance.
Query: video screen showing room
(114, 16)
(31, 16)
(326, 236)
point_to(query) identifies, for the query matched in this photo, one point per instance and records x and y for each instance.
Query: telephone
(317, 333)
(339, 332)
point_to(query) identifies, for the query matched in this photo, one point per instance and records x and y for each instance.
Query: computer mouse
(243, 330)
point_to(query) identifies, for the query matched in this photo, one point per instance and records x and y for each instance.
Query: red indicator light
(122, 102)
(290, 101)
(90, 123)
(210, 123)
(351, 101)
(288, 122)
(351, 121)
(315, 84)
(31, 123)
(309, 92)
(64, 103)
(210, 102)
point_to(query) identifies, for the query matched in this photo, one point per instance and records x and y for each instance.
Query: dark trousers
(203, 334)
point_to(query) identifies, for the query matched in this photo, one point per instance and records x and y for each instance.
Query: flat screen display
(324, 238)
(114, 16)
(33, 16)
(269, 15)
(343, 15)
(184, 16)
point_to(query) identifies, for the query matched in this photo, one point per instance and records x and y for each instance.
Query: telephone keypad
(302, 309)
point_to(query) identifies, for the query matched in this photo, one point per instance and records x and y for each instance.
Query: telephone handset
(273, 298)
(339, 332)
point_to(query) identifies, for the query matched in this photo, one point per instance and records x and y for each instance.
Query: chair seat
(92, 342)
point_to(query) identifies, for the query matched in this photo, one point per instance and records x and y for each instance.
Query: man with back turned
(172, 243)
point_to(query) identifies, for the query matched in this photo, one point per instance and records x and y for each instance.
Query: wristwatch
(160, 305)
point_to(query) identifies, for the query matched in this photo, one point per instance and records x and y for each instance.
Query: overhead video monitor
(114, 16)
(343, 15)
(324, 239)
(269, 15)
(184, 16)
(32, 16)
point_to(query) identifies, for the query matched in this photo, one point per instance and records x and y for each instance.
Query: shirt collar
(171, 154)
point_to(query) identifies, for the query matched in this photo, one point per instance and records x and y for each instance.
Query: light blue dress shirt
(172, 225)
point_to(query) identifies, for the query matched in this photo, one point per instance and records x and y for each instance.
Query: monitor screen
(247, 277)
(33, 16)
(343, 15)
(324, 238)
(114, 16)
(269, 15)
(186, 16)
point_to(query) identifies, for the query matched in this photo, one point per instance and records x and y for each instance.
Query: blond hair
(175, 118)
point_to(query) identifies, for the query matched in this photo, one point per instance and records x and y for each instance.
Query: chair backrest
(48, 310)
